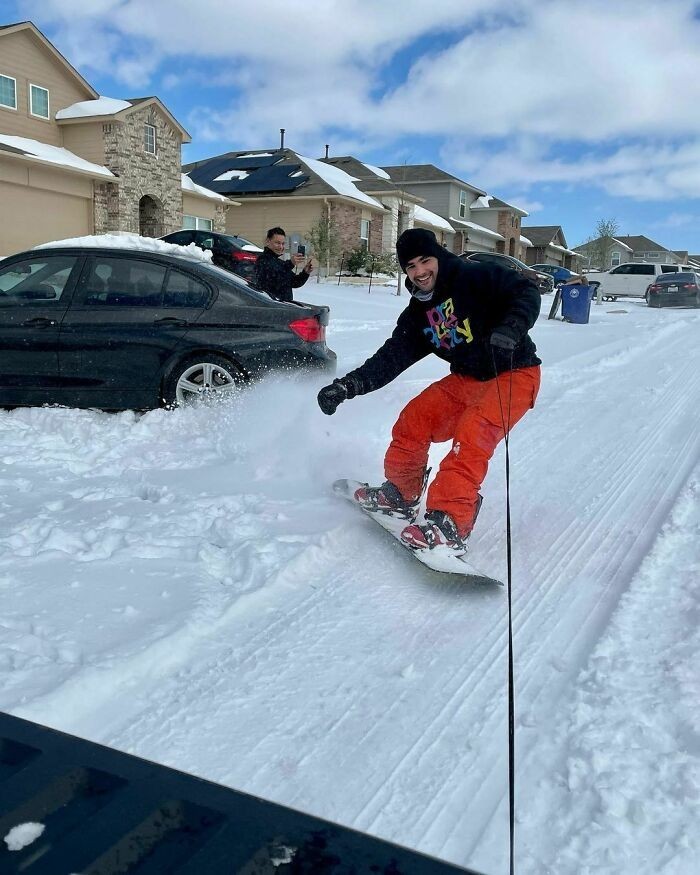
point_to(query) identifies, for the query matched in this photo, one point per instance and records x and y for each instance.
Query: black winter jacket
(470, 301)
(277, 277)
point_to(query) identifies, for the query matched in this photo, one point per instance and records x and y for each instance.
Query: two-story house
(452, 199)
(74, 163)
(504, 218)
(403, 209)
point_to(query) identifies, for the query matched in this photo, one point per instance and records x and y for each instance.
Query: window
(642, 270)
(38, 101)
(196, 223)
(669, 268)
(8, 92)
(182, 290)
(462, 204)
(181, 238)
(149, 139)
(614, 259)
(364, 233)
(121, 282)
(38, 280)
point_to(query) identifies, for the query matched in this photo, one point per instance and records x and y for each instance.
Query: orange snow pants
(467, 412)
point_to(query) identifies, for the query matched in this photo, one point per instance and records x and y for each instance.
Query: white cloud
(544, 78)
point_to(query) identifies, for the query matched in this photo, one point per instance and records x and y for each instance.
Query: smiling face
(423, 271)
(276, 243)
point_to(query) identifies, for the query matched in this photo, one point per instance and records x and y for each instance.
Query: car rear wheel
(200, 378)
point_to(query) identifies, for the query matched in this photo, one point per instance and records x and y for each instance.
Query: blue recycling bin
(576, 303)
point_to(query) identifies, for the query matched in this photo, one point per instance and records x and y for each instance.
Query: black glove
(504, 338)
(339, 390)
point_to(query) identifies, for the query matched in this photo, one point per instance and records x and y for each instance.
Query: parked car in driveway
(631, 279)
(674, 289)
(120, 327)
(228, 250)
(543, 281)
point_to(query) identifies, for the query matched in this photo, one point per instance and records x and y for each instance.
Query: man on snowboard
(475, 316)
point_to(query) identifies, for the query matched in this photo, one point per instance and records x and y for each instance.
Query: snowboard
(442, 559)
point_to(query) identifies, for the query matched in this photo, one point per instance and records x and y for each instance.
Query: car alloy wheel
(200, 379)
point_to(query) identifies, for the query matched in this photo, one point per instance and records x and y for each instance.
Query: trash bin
(576, 303)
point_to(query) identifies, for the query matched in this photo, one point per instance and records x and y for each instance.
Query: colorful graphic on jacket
(445, 331)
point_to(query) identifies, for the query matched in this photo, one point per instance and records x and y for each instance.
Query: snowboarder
(476, 317)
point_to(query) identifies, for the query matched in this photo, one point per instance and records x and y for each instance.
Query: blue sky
(575, 110)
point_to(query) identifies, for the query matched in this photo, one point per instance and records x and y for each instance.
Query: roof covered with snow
(99, 107)
(478, 228)
(426, 217)
(192, 188)
(275, 173)
(37, 151)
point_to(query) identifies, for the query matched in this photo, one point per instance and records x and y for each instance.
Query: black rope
(511, 685)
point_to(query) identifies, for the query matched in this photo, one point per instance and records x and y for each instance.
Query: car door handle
(39, 322)
(171, 320)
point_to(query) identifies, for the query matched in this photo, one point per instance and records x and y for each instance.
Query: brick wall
(141, 174)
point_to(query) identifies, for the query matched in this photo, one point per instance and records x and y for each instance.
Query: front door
(34, 295)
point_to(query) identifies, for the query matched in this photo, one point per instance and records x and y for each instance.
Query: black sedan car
(120, 328)
(543, 281)
(228, 250)
(674, 289)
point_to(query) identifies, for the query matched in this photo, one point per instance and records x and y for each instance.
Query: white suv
(631, 279)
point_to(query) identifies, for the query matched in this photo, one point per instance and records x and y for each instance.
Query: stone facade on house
(148, 198)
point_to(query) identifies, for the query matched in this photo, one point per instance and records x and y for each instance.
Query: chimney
(281, 138)
(327, 148)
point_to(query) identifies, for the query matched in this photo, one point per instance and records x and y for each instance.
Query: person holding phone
(277, 276)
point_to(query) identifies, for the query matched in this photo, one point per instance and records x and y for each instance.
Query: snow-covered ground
(183, 586)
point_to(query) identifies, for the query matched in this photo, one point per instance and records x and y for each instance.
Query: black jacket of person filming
(276, 276)
(471, 300)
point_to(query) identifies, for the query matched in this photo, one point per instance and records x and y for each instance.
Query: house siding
(86, 140)
(26, 59)
(253, 220)
(205, 209)
(44, 206)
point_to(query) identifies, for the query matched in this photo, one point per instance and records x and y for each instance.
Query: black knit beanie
(416, 242)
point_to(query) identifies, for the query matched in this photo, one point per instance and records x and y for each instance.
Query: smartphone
(301, 249)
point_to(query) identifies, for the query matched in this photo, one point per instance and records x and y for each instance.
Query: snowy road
(184, 587)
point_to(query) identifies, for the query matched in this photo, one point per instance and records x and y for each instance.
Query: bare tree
(606, 230)
(324, 237)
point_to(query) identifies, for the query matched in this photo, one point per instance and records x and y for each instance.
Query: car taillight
(309, 329)
(244, 256)
(655, 288)
(688, 286)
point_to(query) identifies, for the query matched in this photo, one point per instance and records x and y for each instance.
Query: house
(403, 209)
(607, 252)
(504, 218)
(547, 245)
(452, 198)
(73, 162)
(281, 187)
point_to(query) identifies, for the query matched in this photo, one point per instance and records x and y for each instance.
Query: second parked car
(673, 289)
(228, 251)
(543, 281)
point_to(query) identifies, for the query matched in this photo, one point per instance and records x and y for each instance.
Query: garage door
(29, 216)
